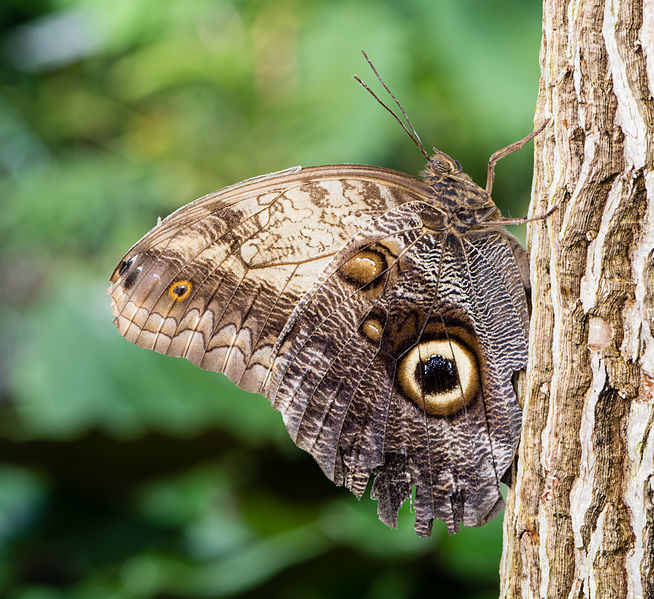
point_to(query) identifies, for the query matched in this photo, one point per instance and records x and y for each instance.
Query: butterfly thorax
(458, 198)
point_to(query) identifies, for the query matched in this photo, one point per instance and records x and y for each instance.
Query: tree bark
(580, 515)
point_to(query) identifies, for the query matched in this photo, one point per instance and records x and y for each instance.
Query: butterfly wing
(316, 287)
(216, 281)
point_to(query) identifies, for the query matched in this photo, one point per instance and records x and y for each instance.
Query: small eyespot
(180, 290)
(373, 329)
(124, 266)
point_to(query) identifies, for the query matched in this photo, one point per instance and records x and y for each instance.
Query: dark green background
(127, 474)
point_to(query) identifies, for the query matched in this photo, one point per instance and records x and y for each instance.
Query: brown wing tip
(121, 267)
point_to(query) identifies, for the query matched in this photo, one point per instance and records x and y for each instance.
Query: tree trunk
(580, 515)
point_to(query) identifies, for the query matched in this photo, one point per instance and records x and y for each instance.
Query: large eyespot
(364, 267)
(440, 376)
(180, 290)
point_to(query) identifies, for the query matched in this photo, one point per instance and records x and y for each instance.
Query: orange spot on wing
(180, 290)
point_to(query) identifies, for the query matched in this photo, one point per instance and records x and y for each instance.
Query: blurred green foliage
(127, 474)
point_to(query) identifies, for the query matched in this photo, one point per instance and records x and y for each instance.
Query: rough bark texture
(580, 517)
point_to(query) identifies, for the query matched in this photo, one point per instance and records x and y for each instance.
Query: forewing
(216, 281)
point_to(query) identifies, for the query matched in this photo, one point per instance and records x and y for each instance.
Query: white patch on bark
(647, 39)
(549, 434)
(585, 176)
(638, 341)
(581, 493)
(543, 535)
(574, 54)
(590, 282)
(640, 470)
(628, 115)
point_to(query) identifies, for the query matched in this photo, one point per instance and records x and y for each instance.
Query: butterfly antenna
(390, 93)
(413, 134)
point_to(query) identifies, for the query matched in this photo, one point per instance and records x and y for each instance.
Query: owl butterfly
(382, 315)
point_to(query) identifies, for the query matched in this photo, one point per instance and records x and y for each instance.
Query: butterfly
(384, 316)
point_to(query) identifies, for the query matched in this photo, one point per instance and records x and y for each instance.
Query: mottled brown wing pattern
(387, 342)
(339, 389)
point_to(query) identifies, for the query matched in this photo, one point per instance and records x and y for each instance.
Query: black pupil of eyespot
(179, 290)
(124, 266)
(439, 374)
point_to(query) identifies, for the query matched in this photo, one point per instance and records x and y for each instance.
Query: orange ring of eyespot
(175, 296)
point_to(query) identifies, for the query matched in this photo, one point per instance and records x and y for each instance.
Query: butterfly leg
(497, 156)
(524, 220)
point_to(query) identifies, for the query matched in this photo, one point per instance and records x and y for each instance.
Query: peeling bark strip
(580, 517)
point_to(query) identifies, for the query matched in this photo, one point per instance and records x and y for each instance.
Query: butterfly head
(464, 202)
(441, 165)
